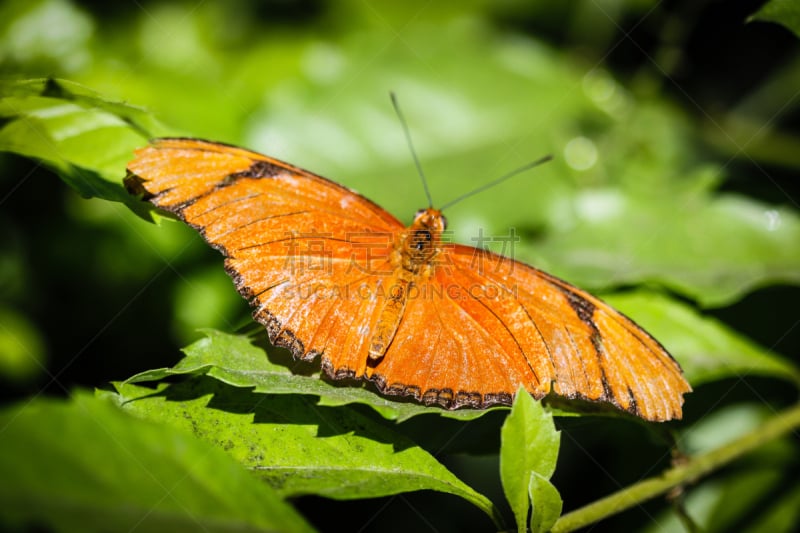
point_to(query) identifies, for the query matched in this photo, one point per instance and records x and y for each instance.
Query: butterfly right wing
(492, 324)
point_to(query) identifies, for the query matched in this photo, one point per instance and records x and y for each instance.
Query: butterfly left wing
(493, 324)
(306, 252)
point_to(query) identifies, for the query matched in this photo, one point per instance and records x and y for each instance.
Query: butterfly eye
(419, 213)
(444, 222)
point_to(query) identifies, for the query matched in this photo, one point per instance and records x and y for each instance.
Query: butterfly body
(332, 275)
(412, 260)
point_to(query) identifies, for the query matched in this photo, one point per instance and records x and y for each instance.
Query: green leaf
(662, 241)
(546, 502)
(86, 139)
(529, 445)
(706, 349)
(723, 426)
(84, 465)
(234, 360)
(296, 445)
(784, 12)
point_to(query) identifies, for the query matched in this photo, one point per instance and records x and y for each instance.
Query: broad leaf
(85, 465)
(622, 203)
(233, 359)
(628, 214)
(684, 241)
(529, 445)
(296, 445)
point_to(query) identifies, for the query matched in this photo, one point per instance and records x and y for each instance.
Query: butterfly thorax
(418, 245)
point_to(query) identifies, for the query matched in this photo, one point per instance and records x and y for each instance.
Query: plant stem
(688, 472)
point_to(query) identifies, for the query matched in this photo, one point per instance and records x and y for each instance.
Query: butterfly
(330, 274)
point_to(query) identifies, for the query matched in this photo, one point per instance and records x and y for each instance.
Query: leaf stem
(688, 472)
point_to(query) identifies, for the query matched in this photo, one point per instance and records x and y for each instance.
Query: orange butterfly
(331, 274)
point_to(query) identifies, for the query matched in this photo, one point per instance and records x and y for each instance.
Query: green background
(673, 192)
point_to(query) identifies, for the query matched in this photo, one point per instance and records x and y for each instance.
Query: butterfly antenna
(499, 180)
(411, 147)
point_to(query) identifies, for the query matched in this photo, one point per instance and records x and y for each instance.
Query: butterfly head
(431, 219)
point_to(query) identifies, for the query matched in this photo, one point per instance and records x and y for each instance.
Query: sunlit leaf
(529, 445)
(684, 243)
(296, 445)
(86, 139)
(546, 503)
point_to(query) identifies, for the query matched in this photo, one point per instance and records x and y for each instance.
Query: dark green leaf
(781, 515)
(85, 465)
(22, 353)
(760, 474)
(784, 12)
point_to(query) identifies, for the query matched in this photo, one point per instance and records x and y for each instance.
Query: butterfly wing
(306, 252)
(314, 259)
(493, 324)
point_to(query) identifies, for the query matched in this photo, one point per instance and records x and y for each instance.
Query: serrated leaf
(234, 360)
(706, 349)
(546, 503)
(85, 465)
(296, 445)
(784, 12)
(529, 444)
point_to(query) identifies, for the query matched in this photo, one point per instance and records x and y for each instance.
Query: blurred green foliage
(117, 475)
(674, 191)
